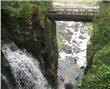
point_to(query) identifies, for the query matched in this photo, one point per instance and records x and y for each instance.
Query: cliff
(34, 32)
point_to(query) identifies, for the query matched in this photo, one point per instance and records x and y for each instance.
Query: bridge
(74, 14)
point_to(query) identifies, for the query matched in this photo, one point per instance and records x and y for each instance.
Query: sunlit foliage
(98, 75)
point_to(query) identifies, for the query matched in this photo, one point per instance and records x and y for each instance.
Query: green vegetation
(25, 9)
(98, 70)
(43, 7)
(26, 24)
(98, 76)
(18, 9)
(61, 43)
(22, 14)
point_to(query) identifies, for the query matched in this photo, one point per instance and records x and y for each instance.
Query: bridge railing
(75, 11)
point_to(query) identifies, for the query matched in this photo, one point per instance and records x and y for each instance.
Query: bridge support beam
(52, 50)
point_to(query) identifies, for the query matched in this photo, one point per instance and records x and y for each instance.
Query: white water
(71, 64)
(25, 68)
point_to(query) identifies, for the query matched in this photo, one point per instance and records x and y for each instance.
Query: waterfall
(74, 37)
(24, 67)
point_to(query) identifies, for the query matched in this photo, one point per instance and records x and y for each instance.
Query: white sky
(66, 3)
(75, 0)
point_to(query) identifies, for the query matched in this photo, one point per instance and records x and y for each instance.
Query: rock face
(72, 61)
(41, 42)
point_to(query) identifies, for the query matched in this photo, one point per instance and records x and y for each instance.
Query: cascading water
(25, 68)
(72, 52)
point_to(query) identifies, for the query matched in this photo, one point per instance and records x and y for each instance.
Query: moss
(33, 31)
(61, 43)
(53, 71)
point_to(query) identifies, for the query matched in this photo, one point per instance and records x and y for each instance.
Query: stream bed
(72, 38)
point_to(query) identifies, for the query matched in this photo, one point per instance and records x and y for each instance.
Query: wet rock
(59, 56)
(74, 41)
(72, 61)
(68, 38)
(80, 42)
(82, 37)
(69, 51)
(77, 78)
(70, 26)
(75, 60)
(82, 31)
(69, 32)
(76, 49)
(76, 29)
(68, 86)
(61, 78)
(82, 67)
(76, 26)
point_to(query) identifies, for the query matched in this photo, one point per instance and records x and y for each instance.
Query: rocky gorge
(73, 38)
(42, 53)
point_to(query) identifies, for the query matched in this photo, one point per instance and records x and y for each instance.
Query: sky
(77, 0)
(86, 2)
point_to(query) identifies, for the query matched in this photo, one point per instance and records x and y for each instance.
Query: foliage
(98, 75)
(102, 26)
(61, 43)
(19, 13)
(18, 9)
(42, 10)
(25, 9)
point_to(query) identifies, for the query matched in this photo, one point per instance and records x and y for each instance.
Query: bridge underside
(71, 18)
(73, 14)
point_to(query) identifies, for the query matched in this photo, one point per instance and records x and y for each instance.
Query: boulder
(82, 31)
(82, 37)
(76, 49)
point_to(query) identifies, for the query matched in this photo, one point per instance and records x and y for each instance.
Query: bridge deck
(76, 14)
